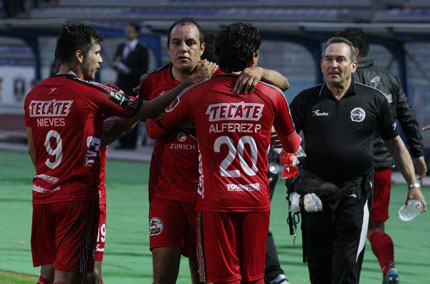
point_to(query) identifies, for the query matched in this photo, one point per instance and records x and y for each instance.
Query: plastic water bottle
(407, 213)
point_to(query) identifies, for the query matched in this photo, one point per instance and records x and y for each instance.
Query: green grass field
(127, 257)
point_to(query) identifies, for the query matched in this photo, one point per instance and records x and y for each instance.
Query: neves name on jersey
(66, 117)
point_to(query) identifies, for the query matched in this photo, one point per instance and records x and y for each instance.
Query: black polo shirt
(338, 135)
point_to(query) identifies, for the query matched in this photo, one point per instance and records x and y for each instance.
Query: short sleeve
(297, 113)
(387, 126)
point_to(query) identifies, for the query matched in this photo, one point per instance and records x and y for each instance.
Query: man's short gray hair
(337, 39)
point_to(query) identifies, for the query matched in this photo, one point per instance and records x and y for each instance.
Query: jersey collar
(325, 91)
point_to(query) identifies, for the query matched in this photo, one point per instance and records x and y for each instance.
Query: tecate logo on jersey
(235, 111)
(51, 108)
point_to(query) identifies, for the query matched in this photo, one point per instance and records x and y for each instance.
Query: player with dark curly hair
(245, 41)
(233, 132)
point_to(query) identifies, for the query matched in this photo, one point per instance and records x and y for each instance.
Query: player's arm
(31, 148)
(284, 126)
(115, 127)
(404, 163)
(407, 119)
(388, 130)
(180, 111)
(249, 77)
(151, 109)
(290, 141)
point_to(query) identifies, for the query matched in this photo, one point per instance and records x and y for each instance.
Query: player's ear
(357, 51)
(254, 58)
(354, 66)
(79, 56)
(202, 48)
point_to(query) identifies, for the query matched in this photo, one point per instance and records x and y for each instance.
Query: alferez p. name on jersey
(233, 134)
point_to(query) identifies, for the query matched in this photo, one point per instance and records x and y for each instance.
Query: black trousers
(333, 240)
(272, 267)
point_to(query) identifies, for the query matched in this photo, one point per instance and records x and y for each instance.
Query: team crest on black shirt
(156, 226)
(358, 114)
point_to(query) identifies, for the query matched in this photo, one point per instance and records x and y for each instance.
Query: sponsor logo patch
(52, 108)
(317, 112)
(181, 136)
(156, 226)
(235, 111)
(358, 114)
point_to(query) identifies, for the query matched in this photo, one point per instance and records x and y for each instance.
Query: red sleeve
(284, 126)
(177, 113)
(154, 129)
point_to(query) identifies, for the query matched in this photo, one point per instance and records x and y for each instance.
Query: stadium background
(292, 30)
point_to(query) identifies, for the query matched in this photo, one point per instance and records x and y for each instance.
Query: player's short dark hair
(235, 46)
(357, 37)
(75, 36)
(337, 39)
(183, 22)
(135, 26)
(209, 52)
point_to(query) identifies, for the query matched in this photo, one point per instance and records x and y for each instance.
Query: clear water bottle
(407, 213)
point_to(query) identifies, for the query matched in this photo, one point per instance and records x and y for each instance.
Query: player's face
(336, 64)
(184, 47)
(92, 62)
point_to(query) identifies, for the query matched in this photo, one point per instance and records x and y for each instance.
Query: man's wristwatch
(414, 185)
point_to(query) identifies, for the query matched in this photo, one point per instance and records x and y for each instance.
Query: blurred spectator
(131, 62)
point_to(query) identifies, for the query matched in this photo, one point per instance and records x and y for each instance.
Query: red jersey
(233, 133)
(173, 172)
(65, 115)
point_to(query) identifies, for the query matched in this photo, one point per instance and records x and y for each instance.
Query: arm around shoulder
(154, 107)
(275, 78)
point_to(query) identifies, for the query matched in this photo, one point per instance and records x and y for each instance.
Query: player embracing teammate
(64, 123)
(233, 133)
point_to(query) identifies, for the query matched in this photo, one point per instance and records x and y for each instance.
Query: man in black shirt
(389, 85)
(339, 120)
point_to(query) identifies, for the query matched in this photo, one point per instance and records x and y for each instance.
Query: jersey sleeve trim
(273, 87)
(158, 122)
(114, 93)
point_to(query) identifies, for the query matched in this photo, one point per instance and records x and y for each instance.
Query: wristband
(414, 185)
